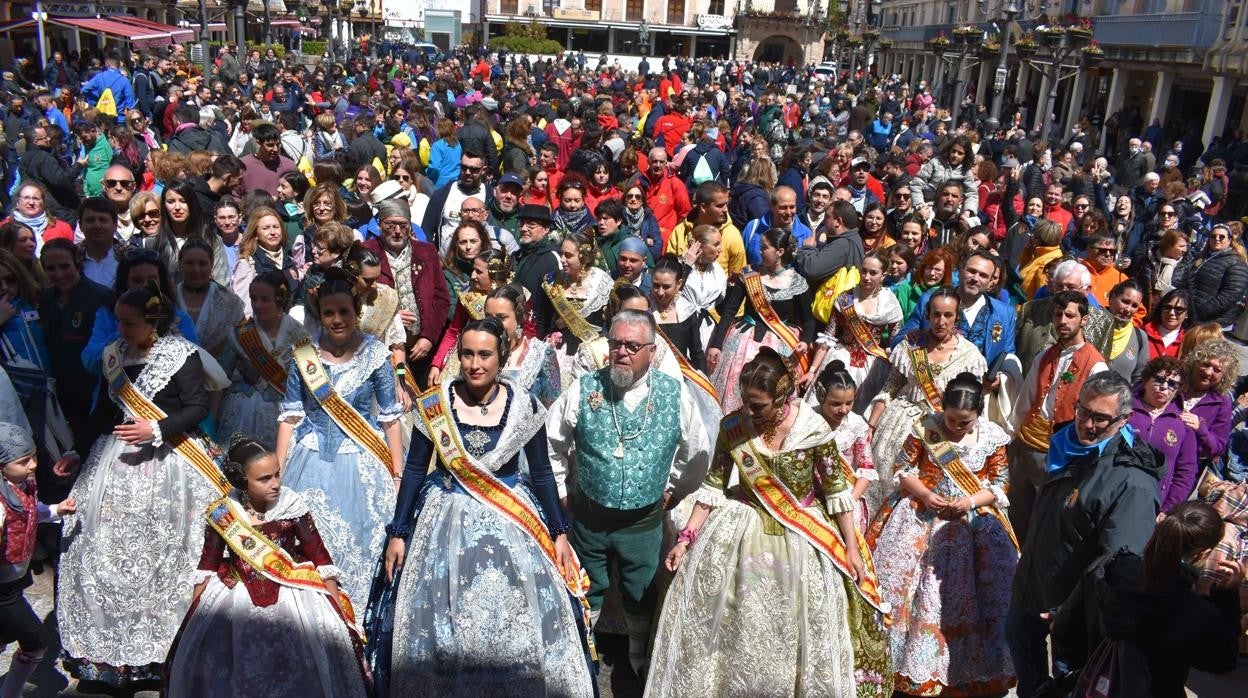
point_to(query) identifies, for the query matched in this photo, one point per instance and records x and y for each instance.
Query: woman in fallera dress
(255, 629)
(757, 607)
(922, 365)
(678, 320)
(130, 551)
(836, 393)
(569, 312)
(864, 321)
(257, 356)
(779, 302)
(472, 601)
(490, 270)
(214, 308)
(531, 362)
(946, 554)
(345, 471)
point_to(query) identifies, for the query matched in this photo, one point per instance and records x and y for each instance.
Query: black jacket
(475, 135)
(38, 165)
(534, 263)
(1218, 286)
(198, 138)
(1167, 630)
(1097, 505)
(715, 159)
(364, 149)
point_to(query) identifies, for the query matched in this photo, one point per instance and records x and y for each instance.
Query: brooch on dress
(595, 400)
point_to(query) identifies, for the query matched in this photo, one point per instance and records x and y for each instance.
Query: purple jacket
(1176, 441)
(1214, 410)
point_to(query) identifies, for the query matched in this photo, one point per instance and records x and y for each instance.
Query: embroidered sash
(380, 313)
(926, 377)
(758, 297)
(474, 304)
(946, 456)
(435, 412)
(344, 415)
(576, 324)
(139, 406)
(269, 559)
(858, 326)
(269, 368)
(692, 374)
(785, 508)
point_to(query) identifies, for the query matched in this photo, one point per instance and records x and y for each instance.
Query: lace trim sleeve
(839, 502)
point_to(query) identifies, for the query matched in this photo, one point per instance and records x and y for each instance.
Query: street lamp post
(268, 26)
(1010, 10)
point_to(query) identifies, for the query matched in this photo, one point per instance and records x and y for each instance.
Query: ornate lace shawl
(164, 359)
(524, 418)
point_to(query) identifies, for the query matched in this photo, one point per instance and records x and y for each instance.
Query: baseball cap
(511, 178)
(859, 162)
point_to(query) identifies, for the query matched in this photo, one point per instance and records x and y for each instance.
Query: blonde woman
(145, 215)
(262, 249)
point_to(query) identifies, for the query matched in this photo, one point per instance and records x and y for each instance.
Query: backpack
(702, 172)
(776, 132)
(107, 105)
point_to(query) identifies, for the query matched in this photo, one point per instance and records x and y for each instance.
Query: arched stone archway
(779, 48)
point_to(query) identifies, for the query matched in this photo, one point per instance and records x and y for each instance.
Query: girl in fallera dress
(490, 270)
(922, 365)
(349, 478)
(836, 392)
(214, 308)
(706, 282)
(471, 601)
(946, 554)
(678, 320)
(254, 631)
(257, 355)
(570, 311)
(129, 553)
(531, 362)
(864, 321)
(785, 296)
(757, 607)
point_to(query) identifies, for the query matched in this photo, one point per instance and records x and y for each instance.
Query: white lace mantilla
(794, 285)
(370, 356)
(531, 366)
(164, 359)
(524, 418)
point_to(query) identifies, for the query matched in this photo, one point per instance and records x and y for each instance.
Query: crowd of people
(399, 376)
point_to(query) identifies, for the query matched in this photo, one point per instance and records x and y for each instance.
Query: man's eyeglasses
(119, 183)
(1098, 420)
(395, 225)
(474, 210)
(1103, 250)
(472, 169)
(627, 347)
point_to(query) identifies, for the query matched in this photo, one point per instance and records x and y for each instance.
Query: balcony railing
(1193, 30)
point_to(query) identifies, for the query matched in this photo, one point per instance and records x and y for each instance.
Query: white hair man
(639, 446)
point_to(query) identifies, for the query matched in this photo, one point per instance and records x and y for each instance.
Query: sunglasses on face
(1169, 384)
(1176, 309)
(632, 197)
(119, 183)
(1169, 213)
(149, 213)
(472, 169)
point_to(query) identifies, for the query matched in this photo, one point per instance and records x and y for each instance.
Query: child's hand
(69, 506)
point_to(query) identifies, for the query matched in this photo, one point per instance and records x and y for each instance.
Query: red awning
(285, 23)
(140, 33)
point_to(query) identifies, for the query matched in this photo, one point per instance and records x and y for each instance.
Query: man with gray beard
(635, 445)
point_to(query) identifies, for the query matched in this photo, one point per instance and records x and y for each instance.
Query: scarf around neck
(1065, 447)
(37, 223)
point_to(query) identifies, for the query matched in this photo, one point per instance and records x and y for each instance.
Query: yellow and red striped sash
(858, 326)
(692, 374)
(925, 377)
(344, 415)
(268, 558)
(946, 456)
(138, 406)
(435, 412)
(269, 368)
(758, 298)
(567, 312)
(784, 507)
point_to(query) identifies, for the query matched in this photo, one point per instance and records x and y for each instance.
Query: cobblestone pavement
(615, 679)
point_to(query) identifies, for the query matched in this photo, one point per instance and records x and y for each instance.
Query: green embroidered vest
(640, 477)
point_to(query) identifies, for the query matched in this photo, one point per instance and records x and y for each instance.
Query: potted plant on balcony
(870, 34)
(884, 45)
(940, 44)
(1093, 54)
(1026, 46)
(842, 34)
(854, 41)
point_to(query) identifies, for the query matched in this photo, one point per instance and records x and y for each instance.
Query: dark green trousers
(632, 540)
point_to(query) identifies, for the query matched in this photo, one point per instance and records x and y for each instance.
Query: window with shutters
(635, 10)
(676, 11)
